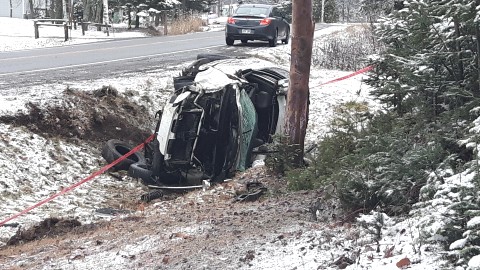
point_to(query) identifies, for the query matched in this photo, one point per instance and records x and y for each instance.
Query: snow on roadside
(18, 34)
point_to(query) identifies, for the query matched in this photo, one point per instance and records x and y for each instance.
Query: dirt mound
(48, 227)
(94, 116)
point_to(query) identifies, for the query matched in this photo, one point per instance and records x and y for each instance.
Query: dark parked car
(221, 111)
(257, 22)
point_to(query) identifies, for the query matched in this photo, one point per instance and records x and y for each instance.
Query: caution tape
(363, 70)
(90, 177)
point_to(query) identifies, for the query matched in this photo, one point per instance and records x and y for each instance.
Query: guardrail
(50, 22)
(99, 26)
(66, 26)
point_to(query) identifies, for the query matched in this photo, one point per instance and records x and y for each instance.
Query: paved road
(113, 58)
(102, 59)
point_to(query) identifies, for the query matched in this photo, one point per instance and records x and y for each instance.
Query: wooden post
(298, 90)
(108, 33)
(83, 28)
(65, 29)
(35, 25)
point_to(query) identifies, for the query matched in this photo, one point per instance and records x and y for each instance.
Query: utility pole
(298, 90)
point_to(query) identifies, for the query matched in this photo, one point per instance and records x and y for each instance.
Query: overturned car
(213, 125)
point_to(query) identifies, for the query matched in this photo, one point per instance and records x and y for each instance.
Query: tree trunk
(298, 91)
(11, 9)
(31, 14)
(458, 48)
(58, 9)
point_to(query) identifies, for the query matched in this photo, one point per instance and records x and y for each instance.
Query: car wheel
(114, 149)
(182, 81)
(273, 42)
(287, 37)
(212, 56)
(229, 41)
(140, 170)
(244, 41)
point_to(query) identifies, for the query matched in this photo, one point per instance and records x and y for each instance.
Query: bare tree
(298, 91)
(11, 9)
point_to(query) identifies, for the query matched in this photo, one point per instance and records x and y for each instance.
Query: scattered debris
(47, 228)
(254, 191)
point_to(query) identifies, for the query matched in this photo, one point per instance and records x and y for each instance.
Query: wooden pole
(298, 90)
(35, 25)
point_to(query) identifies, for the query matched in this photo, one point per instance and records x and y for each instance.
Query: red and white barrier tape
(90, 177)
(363, 70)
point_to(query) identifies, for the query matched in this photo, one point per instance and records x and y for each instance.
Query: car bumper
(254, 33)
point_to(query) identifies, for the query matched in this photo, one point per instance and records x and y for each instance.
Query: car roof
(256, 5)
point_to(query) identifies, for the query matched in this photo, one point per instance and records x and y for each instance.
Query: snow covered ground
(30, 169)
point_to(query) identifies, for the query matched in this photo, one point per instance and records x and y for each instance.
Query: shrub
(187, 25)
(376, 162)
(346, 52)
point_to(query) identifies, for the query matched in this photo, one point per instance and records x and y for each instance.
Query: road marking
(108, 61)
(104, 49)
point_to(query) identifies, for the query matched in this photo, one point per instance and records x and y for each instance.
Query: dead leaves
(403, 263)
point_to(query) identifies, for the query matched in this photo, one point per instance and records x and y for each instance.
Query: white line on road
(108, 61)
(104, 49)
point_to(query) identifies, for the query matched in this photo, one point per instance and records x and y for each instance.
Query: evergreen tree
(373, 9)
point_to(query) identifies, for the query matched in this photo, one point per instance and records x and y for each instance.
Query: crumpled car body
(219, 114)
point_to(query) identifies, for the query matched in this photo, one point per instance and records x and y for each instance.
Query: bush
(346, 52)
(187, 25)
(376, 162)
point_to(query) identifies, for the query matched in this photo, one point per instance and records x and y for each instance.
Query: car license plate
(246, 31)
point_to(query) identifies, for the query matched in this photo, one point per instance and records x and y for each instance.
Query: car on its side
(257, 22)
(220, 114)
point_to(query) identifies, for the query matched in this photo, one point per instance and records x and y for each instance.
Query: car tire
(273, 42)
(212, 56)
(115, 149)
(140, 170)
(244, 41)
(182, 81)
(287, 37)
(229, 41)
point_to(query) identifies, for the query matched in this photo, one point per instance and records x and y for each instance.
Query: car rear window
(252, 11)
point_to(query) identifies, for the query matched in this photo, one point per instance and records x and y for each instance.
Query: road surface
(110, 59)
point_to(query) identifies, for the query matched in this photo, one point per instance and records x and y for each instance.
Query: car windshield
(252, 11)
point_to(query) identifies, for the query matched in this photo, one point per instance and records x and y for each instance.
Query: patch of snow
(459, 244)
(473, 222)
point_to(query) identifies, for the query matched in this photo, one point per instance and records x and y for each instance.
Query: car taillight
(265, 21)
(231, 20)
